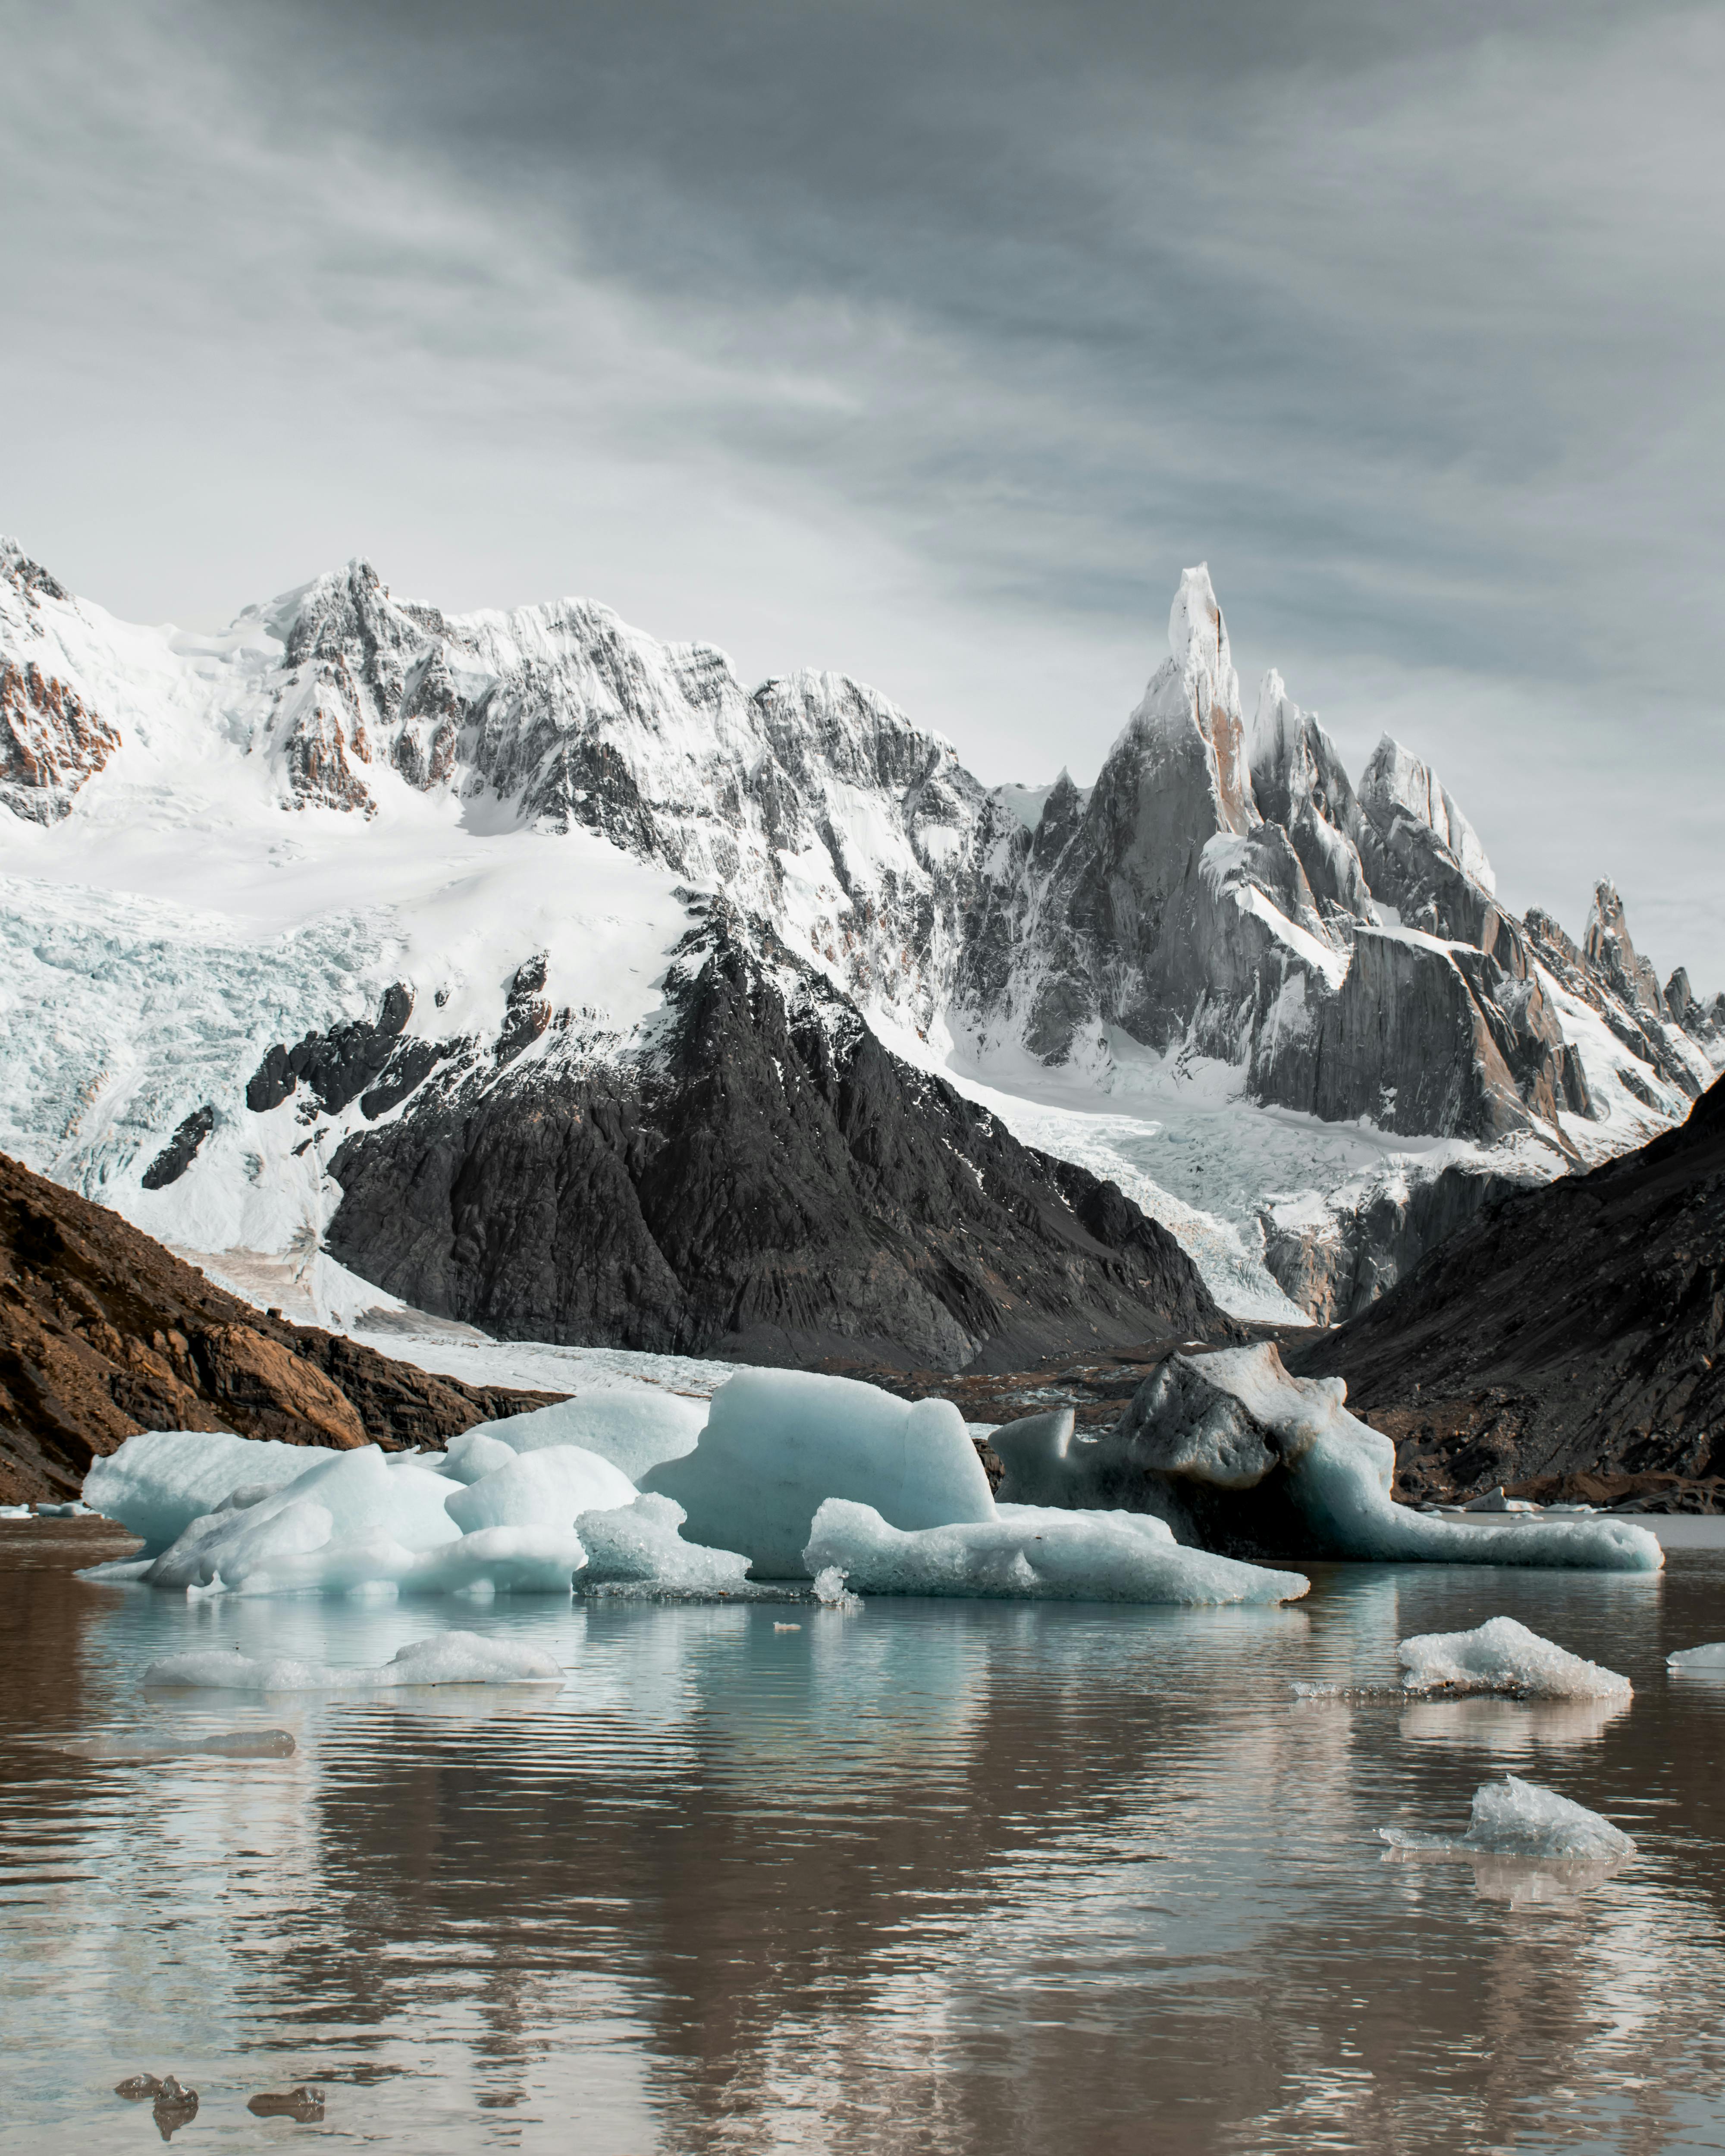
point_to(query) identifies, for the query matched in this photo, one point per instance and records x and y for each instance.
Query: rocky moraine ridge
(106, 1333)
(738, 1158)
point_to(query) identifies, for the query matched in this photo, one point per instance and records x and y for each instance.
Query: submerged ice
(448, 1658)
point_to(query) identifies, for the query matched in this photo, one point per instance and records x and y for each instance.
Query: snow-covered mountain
(306, 924)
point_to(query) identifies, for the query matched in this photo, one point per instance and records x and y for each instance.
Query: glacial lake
(932, 1876)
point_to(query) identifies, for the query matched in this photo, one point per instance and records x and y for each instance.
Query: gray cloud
(930, 342)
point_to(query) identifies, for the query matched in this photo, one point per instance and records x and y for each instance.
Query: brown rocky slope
(1570, 1341)
(104, 1332)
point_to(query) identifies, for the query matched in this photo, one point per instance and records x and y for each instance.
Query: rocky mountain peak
(1395, 783)
(27, 578)
(1607, 945)
(1198, 636)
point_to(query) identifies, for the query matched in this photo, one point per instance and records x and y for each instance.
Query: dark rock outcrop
(1575, 1330)
(104, 1332)
(337, 1066)
(1337, 1261)
(178, 1155)
(771, 1183)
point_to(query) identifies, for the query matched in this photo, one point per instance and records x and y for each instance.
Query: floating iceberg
(252, 1517)
(1709, 1658)
(792, 1475)
(777, 1444)
(555, 1483)
(151, 1744)
(636, 1429)
(1504, 1656)
(450, 1658)
(1031, 1553)
(1240, 1457)
(638, 1545)
(160, 1481)
(1513, 1817)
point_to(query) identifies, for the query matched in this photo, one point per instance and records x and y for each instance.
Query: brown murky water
(937, 1876)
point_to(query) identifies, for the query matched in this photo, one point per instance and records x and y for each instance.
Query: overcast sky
(928, 342)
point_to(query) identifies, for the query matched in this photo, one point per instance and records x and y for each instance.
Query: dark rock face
(1609, 977)
(339, 1067)
(772, 1184)
(176, 1157)
(1576, 1330)
(107, 1333)
(1338, 1265)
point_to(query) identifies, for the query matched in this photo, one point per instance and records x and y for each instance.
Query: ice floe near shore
(449, 1658)
(1504, 1656)
(1238, 1455)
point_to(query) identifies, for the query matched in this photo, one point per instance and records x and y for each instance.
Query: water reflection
(935, 1877)
(1510, 1729)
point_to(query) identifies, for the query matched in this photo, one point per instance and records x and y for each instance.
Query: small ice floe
(787, 1628)
(832, 1593)
(1709, 1660)
(1504, 1656)
(1517, 1818)
(451, 1658)
(151, 1744)
(305, 2104)
(16, 1512)
(1495, 1500)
